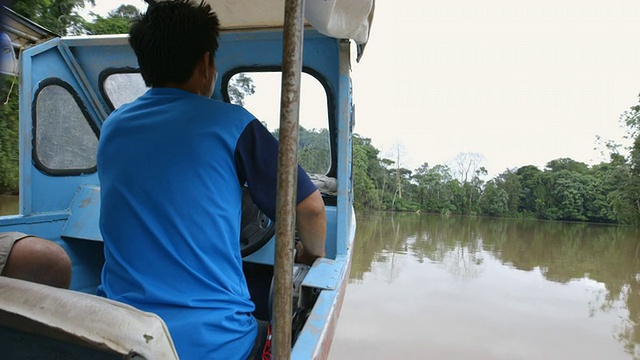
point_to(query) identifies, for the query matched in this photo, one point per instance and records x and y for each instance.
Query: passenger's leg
(37, 260)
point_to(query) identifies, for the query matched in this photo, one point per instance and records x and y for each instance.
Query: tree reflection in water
(561, 252)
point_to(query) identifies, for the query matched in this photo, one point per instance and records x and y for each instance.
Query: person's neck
(188, 86)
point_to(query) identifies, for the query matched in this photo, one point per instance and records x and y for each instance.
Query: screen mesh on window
(64, 138)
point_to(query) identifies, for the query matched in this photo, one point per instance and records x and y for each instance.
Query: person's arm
(311, 222)
(256, 161)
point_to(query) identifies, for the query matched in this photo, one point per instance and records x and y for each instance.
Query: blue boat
(69, 85)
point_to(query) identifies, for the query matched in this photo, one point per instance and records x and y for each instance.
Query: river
(434, 287)
(8, 204)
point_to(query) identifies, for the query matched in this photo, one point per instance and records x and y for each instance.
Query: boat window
(259, 92)
(65, 142)
(122, 88)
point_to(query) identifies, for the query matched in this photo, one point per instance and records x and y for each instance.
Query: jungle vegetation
(564, 189)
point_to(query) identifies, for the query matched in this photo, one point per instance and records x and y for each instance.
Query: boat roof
(22, 31)
(341, 19)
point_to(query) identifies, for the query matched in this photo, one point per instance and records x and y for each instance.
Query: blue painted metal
(83, 222)
(315, 339)
(324, 274)
(94, 106)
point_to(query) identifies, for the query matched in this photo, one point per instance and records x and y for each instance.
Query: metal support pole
(287, 176)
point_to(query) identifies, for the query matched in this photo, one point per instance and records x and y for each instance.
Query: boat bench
(39, 321)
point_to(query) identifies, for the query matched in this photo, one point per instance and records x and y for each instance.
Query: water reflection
(8, 205)
(544, 289)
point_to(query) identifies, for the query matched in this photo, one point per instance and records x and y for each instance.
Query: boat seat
(326, 184)
(39, 321)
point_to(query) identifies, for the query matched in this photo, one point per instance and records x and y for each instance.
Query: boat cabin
(69, 86)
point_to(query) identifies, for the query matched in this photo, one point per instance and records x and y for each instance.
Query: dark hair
(171, 37)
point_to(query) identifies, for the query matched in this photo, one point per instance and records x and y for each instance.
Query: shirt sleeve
(256, 159)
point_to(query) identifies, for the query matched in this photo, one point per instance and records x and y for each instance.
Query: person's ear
(205, 61)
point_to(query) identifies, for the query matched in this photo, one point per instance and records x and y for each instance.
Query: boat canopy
(22, 31)
(17, 33)
(342, 19)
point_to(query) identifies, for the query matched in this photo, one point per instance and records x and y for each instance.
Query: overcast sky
(520, 82)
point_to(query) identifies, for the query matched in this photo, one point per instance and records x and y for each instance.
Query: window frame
(34, 139)
(102, 78)
(333, 158)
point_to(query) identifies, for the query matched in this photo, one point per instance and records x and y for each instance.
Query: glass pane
(64, 139)
(259, 92)
(124, 88)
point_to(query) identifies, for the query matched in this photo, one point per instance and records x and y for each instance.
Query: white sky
(520, 82)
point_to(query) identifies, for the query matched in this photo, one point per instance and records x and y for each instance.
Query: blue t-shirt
(171, 165)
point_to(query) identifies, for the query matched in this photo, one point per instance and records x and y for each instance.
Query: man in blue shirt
(172, 165)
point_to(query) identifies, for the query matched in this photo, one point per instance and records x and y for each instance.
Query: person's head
(172, 38)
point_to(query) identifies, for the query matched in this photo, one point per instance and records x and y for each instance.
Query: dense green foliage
(564, 190)
(59, 16)
(240, 86)
(116, 22)
(9, 143)
(314, 153)
(62, 17)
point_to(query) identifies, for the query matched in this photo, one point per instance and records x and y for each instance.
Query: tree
(59, 16)
(566, 194)
(465, 165)
(607, 178)
(468, 170)
(631, 182)
(364, 189)
(9, 144)
(367, 173)
(567, 164)
(509, 184)
(117, 21)
(399, 174)
(530, 189)
(494, 200)
(240, 86)
(314, 154)
(421, 178)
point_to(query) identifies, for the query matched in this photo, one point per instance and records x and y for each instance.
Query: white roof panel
(343, 19)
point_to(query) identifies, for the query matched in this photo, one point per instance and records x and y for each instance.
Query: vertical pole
(287, 176)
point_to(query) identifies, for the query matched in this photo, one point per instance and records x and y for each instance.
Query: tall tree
(398, 174)
(464, 165)
(509, 183)
(494, 200)
(368, 174)
(59, 16)
(117, 21)
(631, 119)
(240, 86)
(567, 164)
(530, 189)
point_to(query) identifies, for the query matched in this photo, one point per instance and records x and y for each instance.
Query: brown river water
(8, 204)
(433, 287)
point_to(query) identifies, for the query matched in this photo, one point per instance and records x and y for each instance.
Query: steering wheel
(256, 228)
